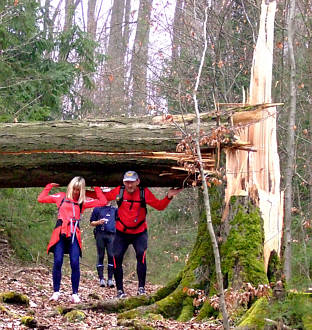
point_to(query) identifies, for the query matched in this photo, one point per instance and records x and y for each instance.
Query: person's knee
(58, 262)
(141, 256)
(75, 266)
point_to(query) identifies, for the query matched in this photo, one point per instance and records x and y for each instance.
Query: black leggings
(105, 241)
(121, 243)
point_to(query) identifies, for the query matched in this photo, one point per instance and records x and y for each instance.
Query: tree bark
(258, 173)
(115, 77)
(290, 168)
(33, 154)
(140, 59)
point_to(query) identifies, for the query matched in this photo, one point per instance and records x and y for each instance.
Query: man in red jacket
(131, 225)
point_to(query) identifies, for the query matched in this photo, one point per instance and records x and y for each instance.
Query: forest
(84, 76)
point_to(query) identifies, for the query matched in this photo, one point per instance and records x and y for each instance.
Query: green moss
(254, 318)
(307, 322)
(141, 312)
(12, 297)
(171, 306)
(134, 324)
(170, 287)
(206, 312)
(155, 317)
(274, 267)
(75, 316)
(133, 302)
(243, 251)
(29, 321)
(60, 310)
(187, 311)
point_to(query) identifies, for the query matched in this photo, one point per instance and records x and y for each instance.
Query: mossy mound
(254, 317)
(75, 316)
(242, 253)
(12, 297)
(294, 311)
(136, 324)
(29, 321)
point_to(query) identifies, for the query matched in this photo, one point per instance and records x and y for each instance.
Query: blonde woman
(66, 236)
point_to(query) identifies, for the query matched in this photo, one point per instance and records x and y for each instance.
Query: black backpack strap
(119, 198)
(142, 198)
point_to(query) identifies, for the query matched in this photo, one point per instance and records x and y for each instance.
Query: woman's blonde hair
(80, 183)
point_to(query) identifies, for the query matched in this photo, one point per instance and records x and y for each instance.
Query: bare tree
(289, 172)
(115, 71)
(140, 59)
(206, 193)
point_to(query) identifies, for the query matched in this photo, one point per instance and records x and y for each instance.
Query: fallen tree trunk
(33, 154)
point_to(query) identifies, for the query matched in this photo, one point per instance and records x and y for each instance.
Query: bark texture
(33, 154)
(258, 173)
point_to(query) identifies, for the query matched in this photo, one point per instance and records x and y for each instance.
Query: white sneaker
(55, 296)
(75, 298)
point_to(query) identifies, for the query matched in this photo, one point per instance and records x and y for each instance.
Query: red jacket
(132, 214)
(67, 211)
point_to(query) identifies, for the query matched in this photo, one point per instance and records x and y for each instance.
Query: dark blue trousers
(74, 252)
(121, 243)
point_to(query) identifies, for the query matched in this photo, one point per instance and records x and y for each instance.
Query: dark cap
(131, 176)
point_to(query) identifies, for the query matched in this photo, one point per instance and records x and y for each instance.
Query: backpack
(109, 213)
(120, 199)
(69, 228)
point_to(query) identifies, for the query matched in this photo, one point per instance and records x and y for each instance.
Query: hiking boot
(121, 294)
(141, 291)
(75, 298)
(102, 283)
(55, 296)
(110, 283)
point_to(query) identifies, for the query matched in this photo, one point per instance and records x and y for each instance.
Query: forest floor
(35, 282)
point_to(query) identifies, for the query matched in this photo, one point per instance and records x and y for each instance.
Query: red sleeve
(100, 200)
(44, 196)
(110, 196)
(158, 204)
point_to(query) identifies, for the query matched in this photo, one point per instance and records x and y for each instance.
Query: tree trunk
(258, 173)
(140, 59)
(290, 168)
(115, 75)
(33, 154)
(87, 93)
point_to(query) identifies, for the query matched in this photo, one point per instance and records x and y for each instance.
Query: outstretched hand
(54, 184)
(173, 192)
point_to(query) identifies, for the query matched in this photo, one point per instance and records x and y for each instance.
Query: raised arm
(44, 196)
(100, 199)
(160, 204)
